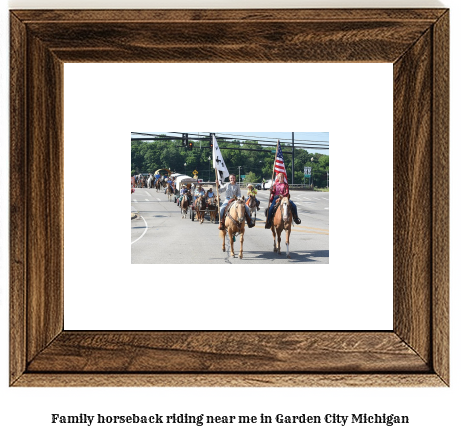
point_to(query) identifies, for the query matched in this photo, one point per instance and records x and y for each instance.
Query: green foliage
(250, 178)
(149, 156)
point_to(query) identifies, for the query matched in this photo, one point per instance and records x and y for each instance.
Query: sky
(322, 137)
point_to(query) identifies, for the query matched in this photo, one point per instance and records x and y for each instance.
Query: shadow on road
(303, 256)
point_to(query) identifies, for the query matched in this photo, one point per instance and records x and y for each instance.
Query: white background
(105, 102)
(430, 410)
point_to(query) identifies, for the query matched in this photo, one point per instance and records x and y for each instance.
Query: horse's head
(252, 201)
(239, 208)
(285, 208)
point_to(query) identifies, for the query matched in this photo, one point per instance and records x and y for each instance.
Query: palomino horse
(185, 203)
(251, 203)
(212, 208)
(234, 224)
(282, 221)
(169, 192)
(200, 206)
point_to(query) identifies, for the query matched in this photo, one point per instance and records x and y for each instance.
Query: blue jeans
(223, 208)
(293, 208)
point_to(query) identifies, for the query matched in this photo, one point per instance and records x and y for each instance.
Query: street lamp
(209, 167)
(312, 161)
(185, 164)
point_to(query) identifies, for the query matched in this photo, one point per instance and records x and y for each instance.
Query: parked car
(267, 184)
(258, 186)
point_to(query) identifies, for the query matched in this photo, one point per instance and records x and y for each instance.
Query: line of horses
(234, 221)
(149, 182)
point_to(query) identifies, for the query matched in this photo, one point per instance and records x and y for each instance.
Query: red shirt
(280, 189)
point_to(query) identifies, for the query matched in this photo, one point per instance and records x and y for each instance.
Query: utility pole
(293, 158)
(239, 175)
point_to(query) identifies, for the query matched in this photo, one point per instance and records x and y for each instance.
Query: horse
(150, 182)
(212, 204)
(234, 224)
(282, 219)
(169, 192)
(251, 203)
(200, 206)
(158, 185)
(185, 203)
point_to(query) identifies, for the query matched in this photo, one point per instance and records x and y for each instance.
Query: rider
(210, 193)
(199, 192)
(182, 192)
(252, 192)
(169, 182)
(232, 190)
(280, 188)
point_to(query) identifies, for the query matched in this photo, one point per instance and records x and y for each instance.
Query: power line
(303, 144)
(265, 137)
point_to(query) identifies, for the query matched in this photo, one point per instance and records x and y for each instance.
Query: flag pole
(272, 180)
(217, 193)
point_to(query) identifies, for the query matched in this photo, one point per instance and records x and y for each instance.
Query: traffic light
(184, 140)
(191, 145)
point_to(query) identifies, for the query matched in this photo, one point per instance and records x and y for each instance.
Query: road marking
(327, 208)
(158, 199)
(146, 199)
(135, 201)
(325, 198)
(148, 194)
(145, 230)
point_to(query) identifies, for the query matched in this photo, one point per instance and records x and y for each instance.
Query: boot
(249, 222)
(221, 225)
(268, 224)
(296, 220)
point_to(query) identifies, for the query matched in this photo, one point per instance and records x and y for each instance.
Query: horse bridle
(231, 217)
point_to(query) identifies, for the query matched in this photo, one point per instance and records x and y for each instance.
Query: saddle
(276, 206)
(231, 201)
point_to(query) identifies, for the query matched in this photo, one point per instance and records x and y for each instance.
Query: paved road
(160, 236)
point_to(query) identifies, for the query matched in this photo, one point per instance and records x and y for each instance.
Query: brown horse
(169, 192)
(251, 203)
(282, 221)
(212, 208)
(200, 206)
(234, 224)
(185, 203)
(158, 185)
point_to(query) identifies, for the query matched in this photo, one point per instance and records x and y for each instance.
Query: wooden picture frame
(414, 353)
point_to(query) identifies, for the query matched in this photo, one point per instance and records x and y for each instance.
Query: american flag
(279, 163)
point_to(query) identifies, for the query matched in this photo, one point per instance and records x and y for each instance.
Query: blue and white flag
(218, 162)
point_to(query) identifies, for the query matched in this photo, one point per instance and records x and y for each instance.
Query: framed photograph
(414, 353)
